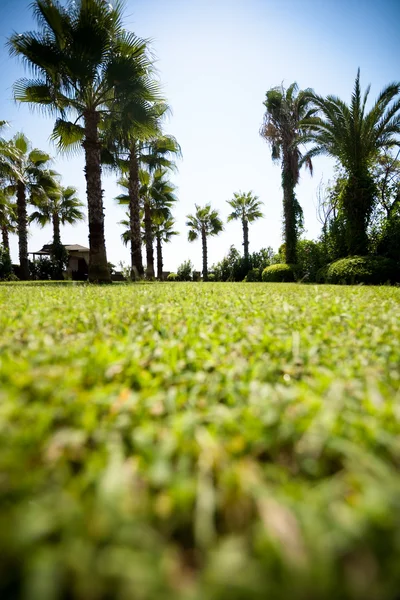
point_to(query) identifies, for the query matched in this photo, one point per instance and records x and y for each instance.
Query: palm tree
(203, 223)
(157, 158)
(157, 195)
(285, 110)
(8, 219)
(59, 207)
(355, 138)
(82, 60)
(246, 208)
(164, 232)
(125, 139)
(29, 180)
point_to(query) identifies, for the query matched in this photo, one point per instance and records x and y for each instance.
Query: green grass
(199, 442)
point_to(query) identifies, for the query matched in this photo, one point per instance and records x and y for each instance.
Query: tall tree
(164, 232)
(81, 59)
(29, 180)
(157, 157)
(204, 223)
(8, 218)
(157, 198)
(246, 208)
(355, 137)
(285, 110)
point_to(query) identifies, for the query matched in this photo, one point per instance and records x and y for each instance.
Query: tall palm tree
(8, 219)
(355, 137)
(157, 196)
(246, 208)
(59, 207)
(164, 232)
(29, 180)
(205, 222)
(285, 110)
(137, 121)
(157, 156)
(81, 59)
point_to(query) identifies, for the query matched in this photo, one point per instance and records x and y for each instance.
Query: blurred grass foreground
(199, 442)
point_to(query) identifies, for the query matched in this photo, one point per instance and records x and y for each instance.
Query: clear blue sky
(216, 59)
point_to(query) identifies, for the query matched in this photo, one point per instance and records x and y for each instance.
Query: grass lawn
(199, 442)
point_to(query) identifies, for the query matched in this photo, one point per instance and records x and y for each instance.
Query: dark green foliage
(253, 275)
(388, 243)
(235, 267)
(279, 273)
(5, 264)
(363, 269)
(59, 260)
(185, 270)
(310, 258)
(199, 442)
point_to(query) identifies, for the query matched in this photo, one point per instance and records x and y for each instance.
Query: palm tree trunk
(56, 229)
(148, 234)
(5, 239)
(289, 216)
(159, 258)
(137, 269)
(245, 240)
(358, 197)
(204, 244)
(98, 268)
(22, 218)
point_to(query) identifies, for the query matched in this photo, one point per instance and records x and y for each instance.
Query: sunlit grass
(200, 441)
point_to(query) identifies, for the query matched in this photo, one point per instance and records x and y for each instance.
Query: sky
(216, 59)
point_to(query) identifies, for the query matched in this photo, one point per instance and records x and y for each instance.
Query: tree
(246, 208)
(28, 179)
(355, 138)
(205, 222)
(157, 196)
(59, 207)
(164, 232)
(125, 140)
(285, 110)
(82, 60)
(8, 218)
(157, 159)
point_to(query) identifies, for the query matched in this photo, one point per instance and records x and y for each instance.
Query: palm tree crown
(59, 207)
(205, 222)
(355, 137)
(246, 208)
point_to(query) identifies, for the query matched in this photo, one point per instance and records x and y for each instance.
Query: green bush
(184, 272)
(5, 264)
(278, 273)
(253, 275)
(211, 277)
(363, 269)
(172, 277)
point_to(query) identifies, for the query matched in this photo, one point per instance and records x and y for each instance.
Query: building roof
(46, 250)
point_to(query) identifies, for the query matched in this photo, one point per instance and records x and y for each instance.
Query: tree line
(98, 81)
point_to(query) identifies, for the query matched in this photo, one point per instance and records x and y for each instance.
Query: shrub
(172, 277)
(5, 264)
(363, 269)
(184, 272)
(253, 275)
(278, 273)
(211, 277)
